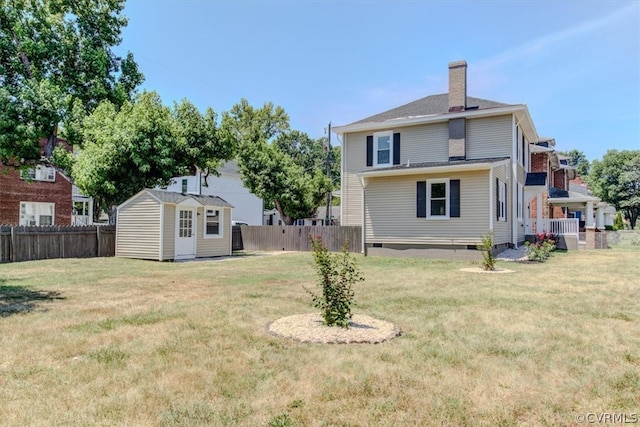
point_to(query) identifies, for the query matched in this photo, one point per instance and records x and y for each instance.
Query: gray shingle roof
(173, 197)
(427, 106)
(536, 179)
(439, 164)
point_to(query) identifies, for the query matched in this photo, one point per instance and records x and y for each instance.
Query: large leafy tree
(616, 180)
(57, 65)
(144, 144)
(578, 160)
(283, 167)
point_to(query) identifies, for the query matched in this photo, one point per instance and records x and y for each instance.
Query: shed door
(185, 233)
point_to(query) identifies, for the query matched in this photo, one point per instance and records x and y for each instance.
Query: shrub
(486, 247)
(337, 275)
(541, 249)
(618, 224)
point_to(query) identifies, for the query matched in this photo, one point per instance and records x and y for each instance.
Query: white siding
(391, 211)
(489, 137)
(213, 246)
(169, 232)
(501, 229)
(138, 229)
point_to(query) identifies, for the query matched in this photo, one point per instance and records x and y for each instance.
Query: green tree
(142, 145)
(578, 161)
(281, 166)
(616, 180)
(57, 65)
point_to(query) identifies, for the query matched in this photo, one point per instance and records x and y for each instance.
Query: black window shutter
(421, 199)
(454, 192)
(497, 199)
(505, 201)
(370, 150)
(396, 148)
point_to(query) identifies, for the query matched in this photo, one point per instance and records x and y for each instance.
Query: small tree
(618, 224)
(486, 247)
(337, 275)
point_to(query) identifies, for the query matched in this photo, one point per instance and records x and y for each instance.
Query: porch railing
(567, 226)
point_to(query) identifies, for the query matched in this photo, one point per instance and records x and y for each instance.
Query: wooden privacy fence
(296, 238)
(20, 243)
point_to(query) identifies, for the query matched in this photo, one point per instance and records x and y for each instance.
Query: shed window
(213, 223)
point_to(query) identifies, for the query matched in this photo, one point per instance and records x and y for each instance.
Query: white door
(185, 234)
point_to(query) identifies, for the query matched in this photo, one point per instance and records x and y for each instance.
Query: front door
(185, 234)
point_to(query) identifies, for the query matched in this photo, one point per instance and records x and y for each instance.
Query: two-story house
(439, 172)
(248, 208)
(42, 196)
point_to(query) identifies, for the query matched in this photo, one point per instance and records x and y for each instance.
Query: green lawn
(127, 342)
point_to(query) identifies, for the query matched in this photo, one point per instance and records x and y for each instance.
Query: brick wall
(539, 162)
(558, 179)
(14, 190)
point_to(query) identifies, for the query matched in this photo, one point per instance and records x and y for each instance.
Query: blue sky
(576, 64)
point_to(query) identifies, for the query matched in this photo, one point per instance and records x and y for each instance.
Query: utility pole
(328, 210)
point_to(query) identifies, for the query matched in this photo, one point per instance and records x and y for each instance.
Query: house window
(184, 185)
(520, 199)
(212, 223)
(39, 173)
(437, 199)
(38, 214)
(383, 144)
(502, 201)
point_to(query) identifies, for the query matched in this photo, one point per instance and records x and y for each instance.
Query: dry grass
(128, 342)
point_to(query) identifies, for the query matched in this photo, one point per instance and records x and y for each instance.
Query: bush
(618, 224)
(337, 275)
(541, 249)
(486, 247)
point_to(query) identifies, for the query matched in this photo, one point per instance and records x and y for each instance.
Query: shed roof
(175, 198)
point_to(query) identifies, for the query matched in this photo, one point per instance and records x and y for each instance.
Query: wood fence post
(12, 248)
(98, 238)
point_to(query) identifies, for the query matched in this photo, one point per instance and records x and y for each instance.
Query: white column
(539, 208)
(589, 215)
(600, 217)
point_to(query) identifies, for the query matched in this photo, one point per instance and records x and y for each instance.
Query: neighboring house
(42, 196)
(163, 225)
(439, 172)
(248, 208)
(320, 217)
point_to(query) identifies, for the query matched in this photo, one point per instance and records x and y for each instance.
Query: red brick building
(37, 196)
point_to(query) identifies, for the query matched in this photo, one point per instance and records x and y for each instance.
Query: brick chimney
(457, 103)
(457, 86)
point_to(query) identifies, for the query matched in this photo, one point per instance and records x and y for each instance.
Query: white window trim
(40, 173)
(447, 199)
(36, 209)
(520, 201)
(376, 136)
(220, 222)
(502, 199)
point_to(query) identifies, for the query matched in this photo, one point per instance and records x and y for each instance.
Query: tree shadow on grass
(21, 299)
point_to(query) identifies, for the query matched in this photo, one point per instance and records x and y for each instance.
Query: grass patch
(128, 342)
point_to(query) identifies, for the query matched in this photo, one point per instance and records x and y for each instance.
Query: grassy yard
(127, 342)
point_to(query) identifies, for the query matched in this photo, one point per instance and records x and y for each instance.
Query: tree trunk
(112, 212)
(286, 219)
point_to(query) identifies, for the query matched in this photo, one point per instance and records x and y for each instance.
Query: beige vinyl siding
(489, 137)
(169, 232)
(391, 214)
(501, 229)
(418, 144)
(213, 246)
(521, 180)
(138, 231)
(355, 160)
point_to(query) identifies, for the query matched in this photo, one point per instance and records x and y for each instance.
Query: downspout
(491, 201)
(364, 230)
(514, 181)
